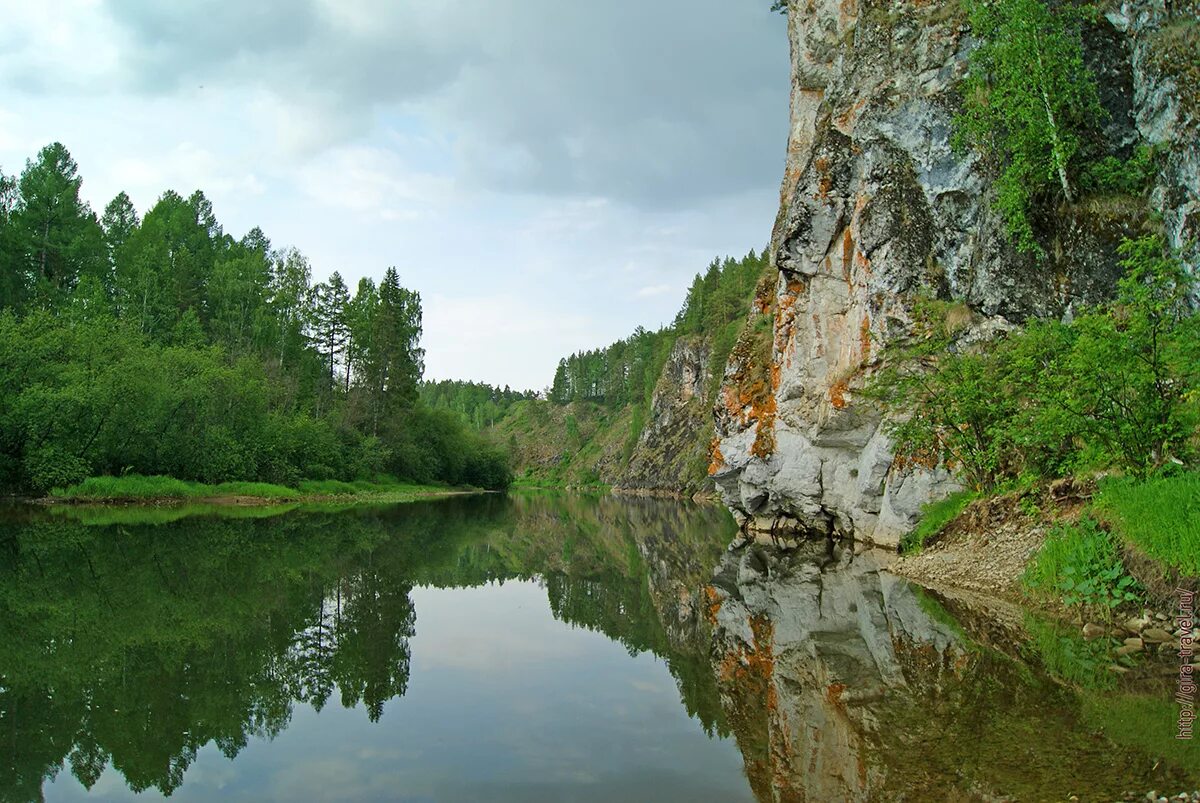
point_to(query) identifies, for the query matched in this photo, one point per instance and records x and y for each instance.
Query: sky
(548, 174)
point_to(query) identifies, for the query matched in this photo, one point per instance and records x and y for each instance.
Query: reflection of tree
(137, 645)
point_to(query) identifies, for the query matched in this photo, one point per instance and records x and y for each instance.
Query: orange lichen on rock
(764, 432)
(837, 394)
(848, 260)
(824, 178)
(834, 692)
(716, 460)
(864, 339)
(712, 605)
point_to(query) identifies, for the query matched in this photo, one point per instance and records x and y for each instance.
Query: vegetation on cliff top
(164, 346)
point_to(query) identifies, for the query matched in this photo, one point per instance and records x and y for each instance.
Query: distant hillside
(636, 414)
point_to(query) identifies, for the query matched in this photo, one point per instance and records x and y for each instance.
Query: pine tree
(56, 232)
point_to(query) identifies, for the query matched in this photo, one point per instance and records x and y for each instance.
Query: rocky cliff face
(876, 206)
(670, 454)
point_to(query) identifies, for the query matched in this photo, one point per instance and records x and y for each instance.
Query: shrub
(52, 467)
(1118, 385)
(1080, 564)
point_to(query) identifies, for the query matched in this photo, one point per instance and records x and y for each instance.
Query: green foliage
(478, 403)
(934, 517)
(949, 394)
(1160, 515)
(1118, 385)
(1080, 564)
(1131, 176)
(132, 487)
(51, 467)
(163, 346)
(1028, 100)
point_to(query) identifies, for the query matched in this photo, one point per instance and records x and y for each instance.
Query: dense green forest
(627, 371)
(164, 345)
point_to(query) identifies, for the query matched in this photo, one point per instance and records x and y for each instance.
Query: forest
(162, 345)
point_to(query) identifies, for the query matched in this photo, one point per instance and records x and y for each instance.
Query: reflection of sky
(504, 703)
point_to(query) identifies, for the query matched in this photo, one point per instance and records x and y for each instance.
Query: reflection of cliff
(842, 682)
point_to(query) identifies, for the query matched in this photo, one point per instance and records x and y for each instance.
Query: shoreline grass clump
(1159, 516)
(934, 518)
(1080, 564)
(139, 488)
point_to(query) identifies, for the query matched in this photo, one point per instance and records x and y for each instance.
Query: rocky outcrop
(877, 207)
(670, 454)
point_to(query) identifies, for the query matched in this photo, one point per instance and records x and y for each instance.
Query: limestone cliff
(876, 206)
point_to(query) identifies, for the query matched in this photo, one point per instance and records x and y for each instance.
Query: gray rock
(1155, 635)
(877, 207)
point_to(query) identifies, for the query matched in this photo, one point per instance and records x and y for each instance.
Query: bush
(52, 467)
(1080, 564)
(1119, 385)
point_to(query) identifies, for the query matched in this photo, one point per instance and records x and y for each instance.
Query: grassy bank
(1160, 517)
(1097, 546)
(135, 488)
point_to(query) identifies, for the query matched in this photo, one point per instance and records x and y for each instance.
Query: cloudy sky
(548, 174)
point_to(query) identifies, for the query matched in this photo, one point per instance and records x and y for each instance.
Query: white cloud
(530, 166)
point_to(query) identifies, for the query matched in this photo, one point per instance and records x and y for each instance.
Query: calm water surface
(531, 648)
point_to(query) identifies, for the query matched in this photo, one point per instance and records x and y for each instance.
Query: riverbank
(167, 491)
(1070, 543)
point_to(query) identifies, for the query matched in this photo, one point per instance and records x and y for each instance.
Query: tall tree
(289, 290)
(330, 328)
(12, 271)
(397, 339)
(360, 321)
(57, 234)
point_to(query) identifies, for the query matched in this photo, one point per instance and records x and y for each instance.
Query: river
(532, 647)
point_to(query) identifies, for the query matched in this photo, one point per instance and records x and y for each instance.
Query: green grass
(1160, 516)
(1080, 564)
(934, 517)
(135, 487)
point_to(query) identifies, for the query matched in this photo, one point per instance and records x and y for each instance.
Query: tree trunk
(1056, 147)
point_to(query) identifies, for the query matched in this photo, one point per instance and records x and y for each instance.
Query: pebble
(1155, 635)
(1136, 624)
(1128, 649)
(1135, 643)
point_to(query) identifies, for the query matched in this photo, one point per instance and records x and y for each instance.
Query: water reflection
(534, 648)
(135, 645)
(842, 682)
